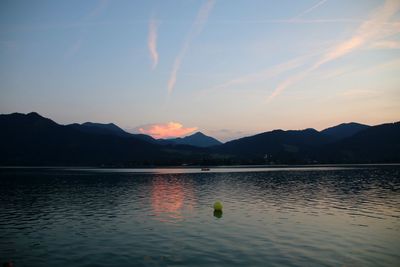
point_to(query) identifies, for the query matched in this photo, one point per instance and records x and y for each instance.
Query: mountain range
(32, 140)
(344, 130)
(197, 139)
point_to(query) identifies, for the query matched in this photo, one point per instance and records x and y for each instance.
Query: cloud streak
(74, 48)
(377, 27)
(152, 42)
(267, 73)
(309, 9)
(95, 12)
(197, 27)
(359, 93)
(278, 69)
(369, 30)
(385, 44)
(166, 130)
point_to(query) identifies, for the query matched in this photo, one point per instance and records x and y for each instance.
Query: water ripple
(292, 217)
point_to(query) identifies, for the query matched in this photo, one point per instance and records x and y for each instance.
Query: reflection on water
(218, 214)
(318, 217)
(170, 196)
(260, 168)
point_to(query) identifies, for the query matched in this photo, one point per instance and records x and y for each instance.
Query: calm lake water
(326, 216)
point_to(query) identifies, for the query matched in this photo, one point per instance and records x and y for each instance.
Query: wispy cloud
(266, 73)
(294, 20)
(96, 11)
(197, 27)
(385, 44)
(370, 30)
(389, 65)
(278, 69)
(73, 49)
(152, 42)
(334, 73)
(288, 82)
(166, 130)
(309, 9)
(359, 93)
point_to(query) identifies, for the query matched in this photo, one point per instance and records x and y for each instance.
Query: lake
(314, 216)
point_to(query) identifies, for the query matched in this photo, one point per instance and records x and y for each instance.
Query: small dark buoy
(218, 214)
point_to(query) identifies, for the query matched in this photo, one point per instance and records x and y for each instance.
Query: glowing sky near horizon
(226, 69)
(166, 130)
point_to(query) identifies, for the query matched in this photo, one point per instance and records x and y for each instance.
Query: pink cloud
(167, 130)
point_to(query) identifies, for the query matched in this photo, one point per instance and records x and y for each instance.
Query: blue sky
(226, 68)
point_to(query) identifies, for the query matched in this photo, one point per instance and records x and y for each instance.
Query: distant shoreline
(33, 140)
(200, 166)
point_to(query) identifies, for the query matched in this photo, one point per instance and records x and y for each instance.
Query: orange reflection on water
(170, 198)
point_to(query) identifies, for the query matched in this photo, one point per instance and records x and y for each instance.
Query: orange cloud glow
(167, 130)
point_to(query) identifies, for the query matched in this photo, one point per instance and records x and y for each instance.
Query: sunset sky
(226, 68)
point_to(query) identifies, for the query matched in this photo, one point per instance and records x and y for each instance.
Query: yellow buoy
(218, 206)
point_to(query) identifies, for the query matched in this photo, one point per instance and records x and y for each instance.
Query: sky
(226, 68)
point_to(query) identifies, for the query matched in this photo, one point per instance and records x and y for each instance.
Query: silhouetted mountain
(100, 128)
(198, 139)
(277, 145)
(344, 130)
(34, 140)
(108, 129)
(375, 144)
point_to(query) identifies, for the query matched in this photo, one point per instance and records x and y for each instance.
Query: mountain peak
(197, 139)
(344, 130)
(310, 130)
(198, 134)
(34, 114)
(102, 125)
(101, 128)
